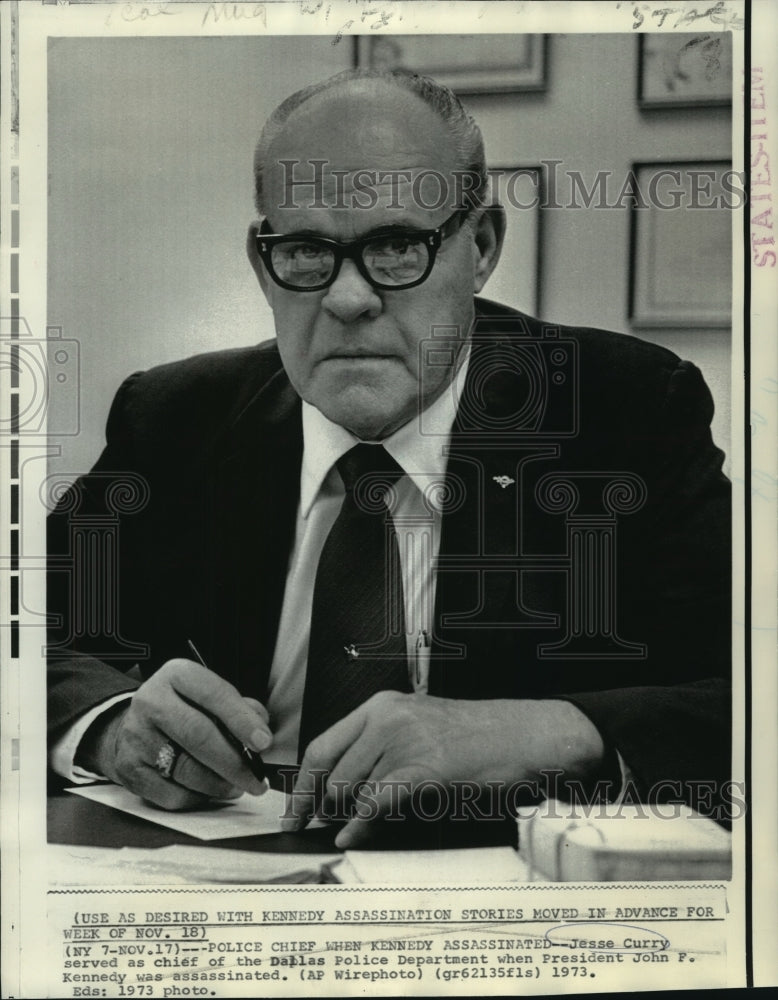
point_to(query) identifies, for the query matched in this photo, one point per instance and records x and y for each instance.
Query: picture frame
(668, 231)
(485, 64)
(684, 69)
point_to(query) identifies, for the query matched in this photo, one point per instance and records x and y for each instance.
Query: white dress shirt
(417, 521)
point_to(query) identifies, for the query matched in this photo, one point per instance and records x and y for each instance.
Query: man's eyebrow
(304, 232)
(388, 229)
(395, 228)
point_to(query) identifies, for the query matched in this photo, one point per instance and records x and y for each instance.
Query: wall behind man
(150, 149)
(588, 117)
(151, 144)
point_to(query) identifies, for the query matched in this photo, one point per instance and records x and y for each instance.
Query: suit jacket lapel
(255, 497)
(479, 613)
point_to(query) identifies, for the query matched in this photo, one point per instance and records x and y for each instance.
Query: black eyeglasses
(392, 258)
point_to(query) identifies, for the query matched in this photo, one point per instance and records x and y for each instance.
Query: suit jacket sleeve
(80, 677)
(134, 546)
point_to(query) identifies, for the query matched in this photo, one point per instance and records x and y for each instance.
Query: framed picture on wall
(469, 64)
(681, 245)
(684, 69)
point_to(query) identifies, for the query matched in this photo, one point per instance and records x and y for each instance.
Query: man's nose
(350, 296)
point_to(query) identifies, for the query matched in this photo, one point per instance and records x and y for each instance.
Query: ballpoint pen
(252, 757)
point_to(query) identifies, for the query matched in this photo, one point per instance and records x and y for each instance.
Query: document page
(244, 817)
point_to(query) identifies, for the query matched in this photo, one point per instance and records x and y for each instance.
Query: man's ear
(488, 239)
(256, 261)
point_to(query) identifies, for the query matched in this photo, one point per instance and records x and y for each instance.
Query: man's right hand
(178, 705)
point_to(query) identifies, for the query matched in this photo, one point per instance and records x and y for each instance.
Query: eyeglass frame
(433, 238)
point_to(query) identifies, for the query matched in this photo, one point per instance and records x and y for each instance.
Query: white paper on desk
(177, 864)
(248, 816)
(467, 866)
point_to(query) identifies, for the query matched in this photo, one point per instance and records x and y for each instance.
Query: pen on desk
(252, 757)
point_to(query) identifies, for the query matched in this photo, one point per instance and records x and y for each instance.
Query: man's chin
(369, 419)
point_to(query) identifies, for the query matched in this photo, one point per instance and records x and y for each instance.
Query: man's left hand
(398, 741)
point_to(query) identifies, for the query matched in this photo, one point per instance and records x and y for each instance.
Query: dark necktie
(357, 645)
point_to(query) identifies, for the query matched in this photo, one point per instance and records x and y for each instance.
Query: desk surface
(75, 820)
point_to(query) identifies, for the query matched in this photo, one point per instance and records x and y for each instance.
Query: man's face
(351, 350)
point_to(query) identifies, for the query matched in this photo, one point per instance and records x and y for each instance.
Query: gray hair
(463, 129)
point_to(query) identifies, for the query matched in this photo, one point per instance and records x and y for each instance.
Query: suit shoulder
(214, 376)
(213, 372)
(614, 369)
(599, 347)
(625, 371)
(645, 384)
(196, 395)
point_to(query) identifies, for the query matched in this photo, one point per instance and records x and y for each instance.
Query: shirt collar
(418, 447)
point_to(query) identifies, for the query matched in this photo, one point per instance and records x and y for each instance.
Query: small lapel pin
(352, 653)
(503, 481)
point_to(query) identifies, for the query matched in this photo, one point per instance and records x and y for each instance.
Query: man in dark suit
(554, 544)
